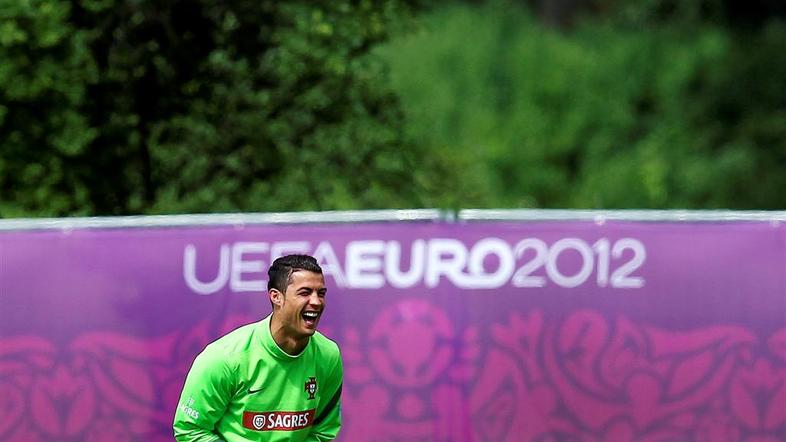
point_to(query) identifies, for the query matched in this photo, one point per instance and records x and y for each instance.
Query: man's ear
(276, 297)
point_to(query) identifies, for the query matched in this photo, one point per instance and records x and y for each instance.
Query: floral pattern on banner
(413, 375)
(101, 387)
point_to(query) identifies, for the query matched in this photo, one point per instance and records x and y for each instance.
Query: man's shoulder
(237, 341)
(324, 344)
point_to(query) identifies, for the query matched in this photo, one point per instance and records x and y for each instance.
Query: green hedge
(168, 106)
(141, 106)
(613, 113)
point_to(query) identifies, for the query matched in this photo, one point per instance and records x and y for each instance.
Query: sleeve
(327, 422)
(207, 390)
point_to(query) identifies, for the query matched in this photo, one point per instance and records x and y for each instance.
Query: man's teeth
(311, 315)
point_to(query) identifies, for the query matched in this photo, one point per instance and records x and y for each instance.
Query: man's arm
(205, 395)
(327, 422)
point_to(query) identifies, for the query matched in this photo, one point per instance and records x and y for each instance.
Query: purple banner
(549, 331)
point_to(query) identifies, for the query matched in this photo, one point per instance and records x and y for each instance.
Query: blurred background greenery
(186, 106)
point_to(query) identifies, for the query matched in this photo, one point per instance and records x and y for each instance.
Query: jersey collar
(270, 344)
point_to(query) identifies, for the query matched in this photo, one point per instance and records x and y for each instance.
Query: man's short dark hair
(280, 272)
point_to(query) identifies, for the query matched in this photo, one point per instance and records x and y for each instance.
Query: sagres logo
(278, 420)
(311, 387)
(258, 421)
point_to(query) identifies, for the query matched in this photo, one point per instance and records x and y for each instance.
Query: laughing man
(278, 379)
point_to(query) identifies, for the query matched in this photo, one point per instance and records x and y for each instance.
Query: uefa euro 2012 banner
(459, 331)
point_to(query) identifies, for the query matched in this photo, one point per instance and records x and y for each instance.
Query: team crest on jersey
(311, 387)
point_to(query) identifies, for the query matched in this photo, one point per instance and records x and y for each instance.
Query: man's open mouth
(310, 317)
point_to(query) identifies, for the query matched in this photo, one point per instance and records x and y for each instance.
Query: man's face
(303, 303)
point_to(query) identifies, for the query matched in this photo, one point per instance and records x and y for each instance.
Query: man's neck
(289, 344)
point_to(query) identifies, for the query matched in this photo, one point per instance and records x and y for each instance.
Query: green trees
(172, 106)
(45, 68)
(625, 110)
(192, 106)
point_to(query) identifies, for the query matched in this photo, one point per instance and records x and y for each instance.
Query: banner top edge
(222, 219)
(393, 215)
(619, 215)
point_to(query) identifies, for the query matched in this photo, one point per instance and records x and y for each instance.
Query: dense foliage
(142, 106)
(631, 109)
(173, 106)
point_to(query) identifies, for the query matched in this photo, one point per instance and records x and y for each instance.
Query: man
(275, 380)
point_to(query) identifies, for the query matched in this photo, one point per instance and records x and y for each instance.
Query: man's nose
(315, 299)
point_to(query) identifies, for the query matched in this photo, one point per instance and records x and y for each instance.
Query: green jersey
(244, 387)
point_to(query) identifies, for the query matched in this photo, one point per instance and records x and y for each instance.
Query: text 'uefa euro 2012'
(489, 263)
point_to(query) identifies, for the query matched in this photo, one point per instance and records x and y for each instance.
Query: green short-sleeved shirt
(244, 387)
